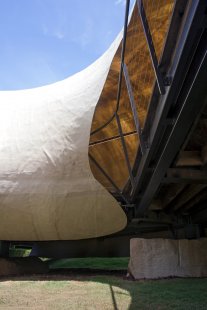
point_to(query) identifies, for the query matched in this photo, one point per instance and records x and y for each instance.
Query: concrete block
(161, 258)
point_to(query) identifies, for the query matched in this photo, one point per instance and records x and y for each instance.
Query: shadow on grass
(158, 294)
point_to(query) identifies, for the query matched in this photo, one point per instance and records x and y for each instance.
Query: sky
(44, 41)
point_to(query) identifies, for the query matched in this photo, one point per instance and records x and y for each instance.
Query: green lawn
(101, 292)
(93, 263)
(76, 291)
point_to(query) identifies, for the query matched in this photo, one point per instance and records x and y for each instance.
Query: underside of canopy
(48, 189)
(105, 144)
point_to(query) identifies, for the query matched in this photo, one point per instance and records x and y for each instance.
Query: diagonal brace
(134, 110)
(160, 80)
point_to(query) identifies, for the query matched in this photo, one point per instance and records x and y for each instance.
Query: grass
(102, 292)
(18, 252)
(77, 291)
(114, 263)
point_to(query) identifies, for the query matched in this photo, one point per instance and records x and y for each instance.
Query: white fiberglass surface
(47, 190)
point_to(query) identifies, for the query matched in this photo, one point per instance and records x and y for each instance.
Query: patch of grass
(114, 263)
(18, 252)
(103, 292)
(166, 294)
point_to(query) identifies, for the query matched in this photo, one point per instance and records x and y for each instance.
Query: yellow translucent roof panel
(103, 144)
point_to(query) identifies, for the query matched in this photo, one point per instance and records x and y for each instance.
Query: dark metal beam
(188, 176)
(196, 94)
(125, 134)
(189, 159)
(179, 65)
(125, 150)
(134, 109)
(195, 201)
(160, 80)
(151, 221)
(185, 198)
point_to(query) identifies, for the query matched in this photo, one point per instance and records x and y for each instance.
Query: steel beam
(134, 109)
(188, 176)
(189, 159)
(197, 94)
(180, 64)
(126, 134)
(160, 80)
(125, 150)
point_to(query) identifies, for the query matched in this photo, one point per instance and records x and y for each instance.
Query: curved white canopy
(47, 190)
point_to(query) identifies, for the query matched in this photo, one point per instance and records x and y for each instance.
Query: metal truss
(184, 75)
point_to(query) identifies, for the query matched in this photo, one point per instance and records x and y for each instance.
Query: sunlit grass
(102, 292)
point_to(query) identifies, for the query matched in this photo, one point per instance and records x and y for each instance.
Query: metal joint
(167, 80)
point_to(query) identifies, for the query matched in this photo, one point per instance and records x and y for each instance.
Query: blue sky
(43, 41)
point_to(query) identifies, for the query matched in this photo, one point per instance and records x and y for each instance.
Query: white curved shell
(47, 190)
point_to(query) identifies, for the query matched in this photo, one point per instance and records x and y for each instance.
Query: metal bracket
(167, 80)
(131, 206)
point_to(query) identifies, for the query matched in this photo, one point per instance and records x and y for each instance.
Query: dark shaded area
(22, 266)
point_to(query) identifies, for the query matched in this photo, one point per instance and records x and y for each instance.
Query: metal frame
(141, 193)
(160, 80)
(113, 138)
(134, 109)
(115, 115)
(197, 93)
(108, 178)
(125, 150)
(123, 69)
(187, 176)
(179, 67)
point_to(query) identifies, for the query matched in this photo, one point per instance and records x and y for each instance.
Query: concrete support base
(161, 258)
